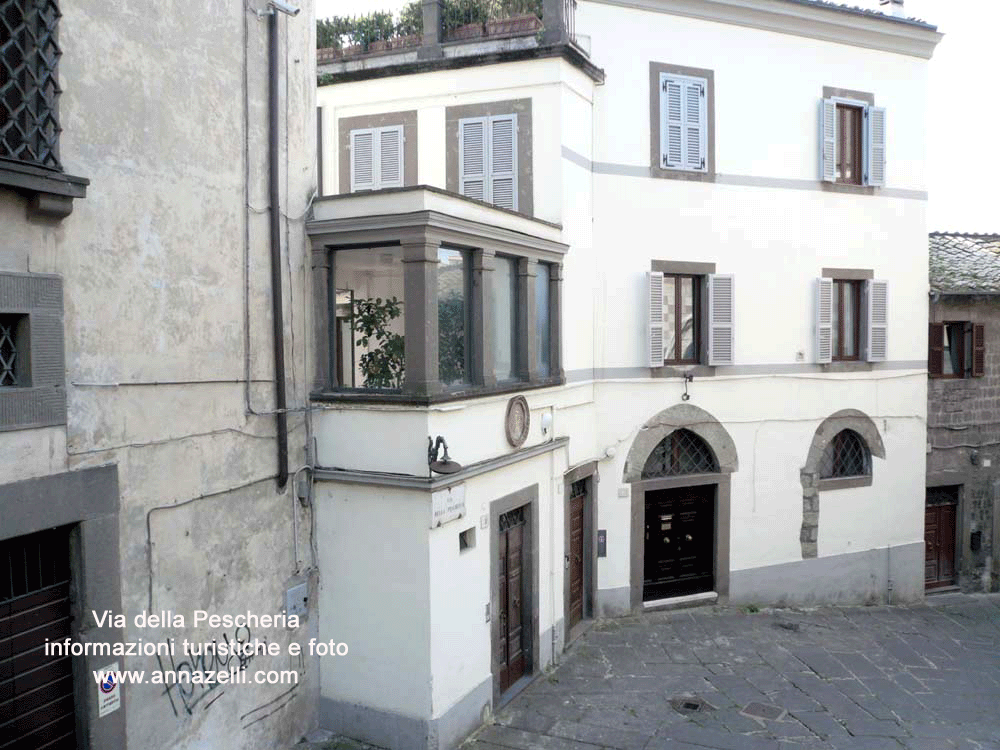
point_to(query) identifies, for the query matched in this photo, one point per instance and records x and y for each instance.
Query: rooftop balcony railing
(427, 24)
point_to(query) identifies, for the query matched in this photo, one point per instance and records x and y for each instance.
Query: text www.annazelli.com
(184, 677)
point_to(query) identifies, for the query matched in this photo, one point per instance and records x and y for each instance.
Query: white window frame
(702, 125)
(377, 182)
(488, 175)
(866, 145)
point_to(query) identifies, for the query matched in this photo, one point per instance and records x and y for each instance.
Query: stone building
(143, 466)
(963, 413)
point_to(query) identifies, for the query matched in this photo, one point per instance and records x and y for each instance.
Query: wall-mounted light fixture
(444, 465)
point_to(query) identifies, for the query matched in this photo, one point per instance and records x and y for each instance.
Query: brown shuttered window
(935, 352)
(978, 351)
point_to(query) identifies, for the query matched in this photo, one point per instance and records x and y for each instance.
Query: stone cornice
(831, 24)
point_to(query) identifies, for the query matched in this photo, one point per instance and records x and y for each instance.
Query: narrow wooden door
(679, 555)
(512, 597)
(578, 493)
(939, 537)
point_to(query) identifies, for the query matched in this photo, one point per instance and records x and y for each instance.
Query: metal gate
(36, 691)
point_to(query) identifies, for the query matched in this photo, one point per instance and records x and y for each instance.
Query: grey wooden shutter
(828, 140)
(877, 344)
(363, 167)
(390, 161)
(695, 130)
(503, 161)
(672, 128)
(824, 320)
(655, 319)
(875, 146)
(472, 158)
(721, 319)
(684, 123)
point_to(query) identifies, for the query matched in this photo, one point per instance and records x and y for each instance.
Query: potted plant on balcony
(382, 366)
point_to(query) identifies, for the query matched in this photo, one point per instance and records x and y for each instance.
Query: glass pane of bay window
(850, 313)
(452, 273)
(504, 280)
(688, 333)
(371, 332)
(669, 317)
(542, 330)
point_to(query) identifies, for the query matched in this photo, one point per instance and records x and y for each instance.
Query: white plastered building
(657, 275)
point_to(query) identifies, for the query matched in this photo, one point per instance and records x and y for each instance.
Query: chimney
(895, 7)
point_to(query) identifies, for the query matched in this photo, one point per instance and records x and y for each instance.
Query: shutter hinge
(664, 84)
(703, 162)
(702, 88)
(666, 161)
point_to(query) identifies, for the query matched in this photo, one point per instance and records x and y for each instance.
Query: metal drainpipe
(277, 313)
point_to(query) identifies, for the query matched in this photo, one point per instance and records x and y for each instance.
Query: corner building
(656, 274)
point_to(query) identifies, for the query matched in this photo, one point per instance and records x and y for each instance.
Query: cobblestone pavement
(922, 678)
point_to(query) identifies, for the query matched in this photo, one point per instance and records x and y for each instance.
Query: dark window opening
(847, 455)
(15, 352)
(681, 319)
(29, 86)
(681, 452)
(846, 320)
(850, 140)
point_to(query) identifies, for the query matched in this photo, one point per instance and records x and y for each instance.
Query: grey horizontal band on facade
(792, 368)
(429, 484)
(782, 183)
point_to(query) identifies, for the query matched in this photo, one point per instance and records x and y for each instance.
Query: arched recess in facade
(651, 434)
(813, 483)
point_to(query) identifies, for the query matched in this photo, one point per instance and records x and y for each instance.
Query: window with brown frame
(681, 318)
(846, 320)
(849, 162)
(956, 349)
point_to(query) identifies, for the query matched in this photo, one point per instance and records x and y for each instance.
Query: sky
(963, 156)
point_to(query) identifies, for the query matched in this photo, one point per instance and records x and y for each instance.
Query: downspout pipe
(277, 305)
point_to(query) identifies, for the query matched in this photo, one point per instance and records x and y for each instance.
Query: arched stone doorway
(679, 467)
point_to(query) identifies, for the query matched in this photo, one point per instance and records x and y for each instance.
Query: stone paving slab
(925, 677)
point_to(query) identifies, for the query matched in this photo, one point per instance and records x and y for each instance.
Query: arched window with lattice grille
(680, 452)
(847, 455)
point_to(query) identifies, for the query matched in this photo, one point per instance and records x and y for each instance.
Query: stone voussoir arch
(846, 419)
(681, 417)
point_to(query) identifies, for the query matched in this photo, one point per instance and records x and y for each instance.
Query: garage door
(36, 691)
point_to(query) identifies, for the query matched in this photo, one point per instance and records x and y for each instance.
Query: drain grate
(763, 711)
(689, 705)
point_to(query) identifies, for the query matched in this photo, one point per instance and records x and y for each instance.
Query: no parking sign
(109, 691)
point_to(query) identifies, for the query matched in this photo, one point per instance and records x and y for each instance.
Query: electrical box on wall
(297, 600)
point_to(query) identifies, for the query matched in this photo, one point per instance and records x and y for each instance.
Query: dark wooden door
(679, 556)
(578, 493)
(939, 537)
(36, 691)
(512, 598)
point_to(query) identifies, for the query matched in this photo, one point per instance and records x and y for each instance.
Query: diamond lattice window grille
(512, 518)
(847, 455)
(680, 452)
(578, 488)
(29, 85)
(8, 350)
